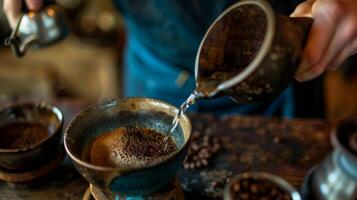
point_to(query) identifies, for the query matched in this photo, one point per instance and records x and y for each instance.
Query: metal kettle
(336, 177)
(38, 29)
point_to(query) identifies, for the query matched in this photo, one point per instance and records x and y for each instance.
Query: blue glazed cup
(111, 114)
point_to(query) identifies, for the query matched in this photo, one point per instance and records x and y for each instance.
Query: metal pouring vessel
(336, 177)
(251, 52)
(38, 29)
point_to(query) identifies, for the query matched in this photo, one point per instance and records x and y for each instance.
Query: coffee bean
(215, 148)
(204, 153)
(236, 187)
(215, 184)
(195, 135)
(198, 164)
(276, 140)
(206, 138)
(205, 144)
(194, 146)
(254, 188)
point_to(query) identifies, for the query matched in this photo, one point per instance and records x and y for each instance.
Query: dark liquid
(130, 147)
(19, 135)
(204, 89)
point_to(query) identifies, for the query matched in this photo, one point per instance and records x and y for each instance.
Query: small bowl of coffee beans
(259, 186)
(30, 136)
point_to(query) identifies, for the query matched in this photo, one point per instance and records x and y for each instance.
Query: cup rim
(262, 52)
(108, 102)
(283, 184)
(38, 104)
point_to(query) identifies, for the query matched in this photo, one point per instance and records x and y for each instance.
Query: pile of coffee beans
(202, 150)
(257, 189)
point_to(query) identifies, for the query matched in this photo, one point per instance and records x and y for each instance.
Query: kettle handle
(15, 47)
(18, 47)
(14, 41)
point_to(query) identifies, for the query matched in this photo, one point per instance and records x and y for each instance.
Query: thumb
(12, 9)
(303, 9)
(34, 5)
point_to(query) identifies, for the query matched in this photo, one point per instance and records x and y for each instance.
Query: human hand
(12, 9)
(332, 38)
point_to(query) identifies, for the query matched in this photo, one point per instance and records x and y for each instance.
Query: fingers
(34, 5)
(12, 9)
(342, 44)
(351, 49)
(325, 41)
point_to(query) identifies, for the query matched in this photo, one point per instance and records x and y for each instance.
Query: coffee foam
(130, 147)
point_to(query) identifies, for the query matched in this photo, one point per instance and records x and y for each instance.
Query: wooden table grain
(288, 148)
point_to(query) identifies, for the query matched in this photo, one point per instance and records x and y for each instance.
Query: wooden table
(288, 148)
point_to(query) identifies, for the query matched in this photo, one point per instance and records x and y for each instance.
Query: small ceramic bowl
(23, 152)
(273, 179)
(111, 114)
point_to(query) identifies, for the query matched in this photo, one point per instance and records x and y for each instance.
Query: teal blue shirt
(163, 38)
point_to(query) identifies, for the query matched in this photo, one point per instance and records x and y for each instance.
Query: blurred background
(88, 64)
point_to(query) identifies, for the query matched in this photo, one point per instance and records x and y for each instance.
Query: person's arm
(333, 36)
(12, 9)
